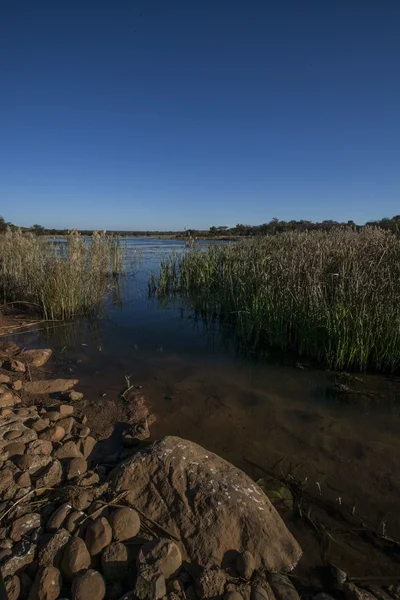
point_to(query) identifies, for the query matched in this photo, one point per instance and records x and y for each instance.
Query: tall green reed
(333, 297)
(61, 279)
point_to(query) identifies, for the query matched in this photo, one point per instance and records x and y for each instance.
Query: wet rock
(98, 535)
(160, 478)
(50, 386)
(68, 450)
(35, 358)
(245, 564)
(87, 445)
(51, 476)
(47, 584)
(150, 585)
(162, 555)
(73, 520)
(39, 447)
(125, 523)
(23, 554)
(8, 399)
(16, 366)
(13, 587)
(282, 587)
(76, 558)
(352, 592)
(211, 583)
(76, 467)
(51, 552)
(73, 396)
(262, 592)
(23, 480)
(58, 517)
(88, 585)
(114, 561)
(53, 434)
(24, 525)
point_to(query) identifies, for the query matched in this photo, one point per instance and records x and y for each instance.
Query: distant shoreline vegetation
(273, 227)
(332, 296)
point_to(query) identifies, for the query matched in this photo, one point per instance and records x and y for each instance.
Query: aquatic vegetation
(331, 296)
(60, 280)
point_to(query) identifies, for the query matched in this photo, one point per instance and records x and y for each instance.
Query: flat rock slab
(210, 505)
(35, 358)
(49, 386)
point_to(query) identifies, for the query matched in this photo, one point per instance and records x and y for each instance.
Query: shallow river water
(247, 411)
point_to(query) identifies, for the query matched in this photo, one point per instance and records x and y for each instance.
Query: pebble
(282, 587)
(58, 517)
(66, 423)
(51, 552)
(23, 555)
(114, 561)
(47, 584)
(84, 432)
(76, 467)
(245, 564)
(233, 596)
(8, 399)
(98, 535)
(87, 445)
(4, 378)
(23, 462)
(17, 385)
(54, 434)
(51, 477)
(125, 523)
(17, 366)
(23, 480)
(13, 587)
(67, 450)
(162, 554)
(73, 520)
(73, 396)
(66, 410)
(24, 525)
(260, 593)
(76, 558)
(15, 449)
(41, 447)
(40, 424)
(88, 585)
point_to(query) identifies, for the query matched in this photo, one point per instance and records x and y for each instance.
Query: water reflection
(341, 430)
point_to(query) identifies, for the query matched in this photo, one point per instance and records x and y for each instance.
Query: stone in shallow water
(201, 498)
(49, 386)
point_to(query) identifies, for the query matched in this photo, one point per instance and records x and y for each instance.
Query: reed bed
(333, 297)
(60, 280)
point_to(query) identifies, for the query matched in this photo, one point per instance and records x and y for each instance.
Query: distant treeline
(273, 227)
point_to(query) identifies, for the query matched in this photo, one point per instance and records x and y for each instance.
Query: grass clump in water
(61, 279)
(333, 297)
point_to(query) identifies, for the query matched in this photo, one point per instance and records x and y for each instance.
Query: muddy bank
(124, 517)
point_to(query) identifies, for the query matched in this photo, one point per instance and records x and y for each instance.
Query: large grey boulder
(208, 504)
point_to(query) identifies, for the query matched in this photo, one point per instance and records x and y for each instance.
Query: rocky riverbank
(166, 519)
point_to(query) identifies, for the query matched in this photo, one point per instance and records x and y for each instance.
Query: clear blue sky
(171, 113)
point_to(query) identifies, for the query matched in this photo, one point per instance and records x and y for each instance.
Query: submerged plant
(334, 297)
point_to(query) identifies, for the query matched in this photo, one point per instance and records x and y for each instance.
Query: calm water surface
(245, 410)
